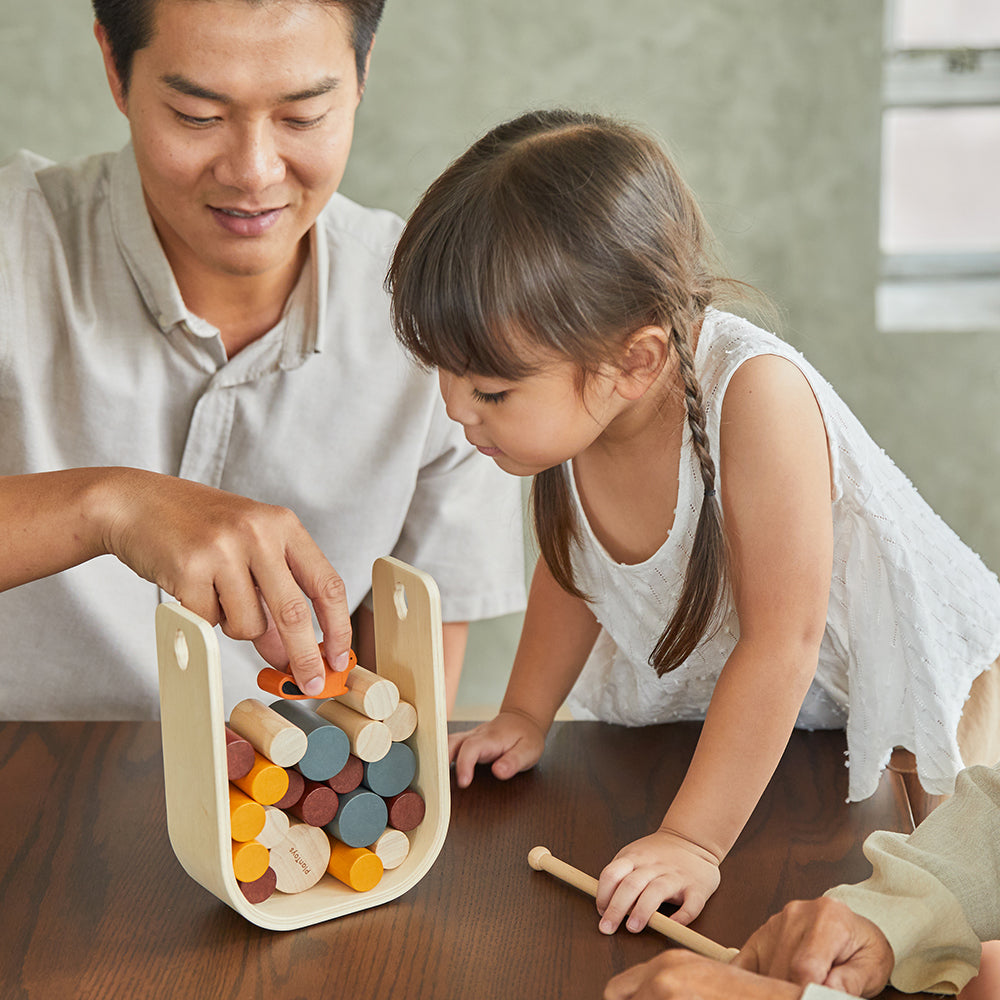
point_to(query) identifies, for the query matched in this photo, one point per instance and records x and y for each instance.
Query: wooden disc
(300, 860)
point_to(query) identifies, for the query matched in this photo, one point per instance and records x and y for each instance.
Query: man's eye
(489, 397)
(192, 120)
(306, 123)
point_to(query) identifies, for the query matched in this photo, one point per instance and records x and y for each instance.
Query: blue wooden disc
(361, 818)
(328, 746)
(393, 773)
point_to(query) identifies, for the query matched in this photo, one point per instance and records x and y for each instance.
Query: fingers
(510, 742)
(658, 868)
(820, 941)
(638, 895)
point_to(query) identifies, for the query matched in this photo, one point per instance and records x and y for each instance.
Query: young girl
(720, 538)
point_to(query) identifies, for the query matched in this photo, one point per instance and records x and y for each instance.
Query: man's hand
(250, 567)
(677, 974)
(821, 941)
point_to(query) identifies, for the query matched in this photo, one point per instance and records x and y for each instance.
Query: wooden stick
(541, 859)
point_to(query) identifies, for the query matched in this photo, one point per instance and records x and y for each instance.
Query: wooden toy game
(196, 766)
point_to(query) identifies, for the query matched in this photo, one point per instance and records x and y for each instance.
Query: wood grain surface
(96, 905)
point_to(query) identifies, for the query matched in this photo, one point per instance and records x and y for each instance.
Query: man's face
(241, 119)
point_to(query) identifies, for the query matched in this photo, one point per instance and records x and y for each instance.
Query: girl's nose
(457, 398)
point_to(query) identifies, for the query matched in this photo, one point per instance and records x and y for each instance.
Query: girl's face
(534, 423)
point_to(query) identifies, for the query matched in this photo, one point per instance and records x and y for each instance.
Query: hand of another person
(663, 867)
(677, 974)
(512, 742)
(821, 941)
(248, 566)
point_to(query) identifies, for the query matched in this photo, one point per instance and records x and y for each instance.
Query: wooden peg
(317, 804)
(328, 745)
(249, 860)
(260, 889)
(296, 785)
(406, 810)
(349, 776)
(360, 820)
(300, 859)
(266, 782)
(239, 755)
(371, 695)
(392, 773)
(357, 867)
(392, 848)
(276, 825)
(246, 816)
(541, 859)
(403, 722)
(369, 739)
(279, 740)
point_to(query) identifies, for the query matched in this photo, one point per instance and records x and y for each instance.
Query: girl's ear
(645, 355)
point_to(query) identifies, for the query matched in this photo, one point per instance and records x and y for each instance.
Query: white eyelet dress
(913, 616)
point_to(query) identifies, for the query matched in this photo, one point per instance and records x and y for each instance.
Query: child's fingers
(658, 890)
(618, 888)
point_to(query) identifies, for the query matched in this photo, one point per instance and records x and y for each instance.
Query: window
(940, 214)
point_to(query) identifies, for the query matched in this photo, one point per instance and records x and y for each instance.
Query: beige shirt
(101, 363)
(936, 892)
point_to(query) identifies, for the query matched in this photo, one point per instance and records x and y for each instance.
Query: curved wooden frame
(408, 641)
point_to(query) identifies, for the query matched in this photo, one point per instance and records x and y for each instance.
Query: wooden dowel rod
(542, 859)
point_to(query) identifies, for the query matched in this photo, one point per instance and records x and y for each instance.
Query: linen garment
(913, 615)
(933, 893)
(102, 364)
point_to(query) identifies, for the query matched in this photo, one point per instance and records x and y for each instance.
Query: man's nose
(252, 162)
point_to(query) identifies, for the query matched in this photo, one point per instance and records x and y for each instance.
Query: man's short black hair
(129, 27)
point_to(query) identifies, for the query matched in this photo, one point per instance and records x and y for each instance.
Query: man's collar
(141, 249)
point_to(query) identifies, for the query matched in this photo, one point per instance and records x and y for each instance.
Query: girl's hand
(512, 741)
(663, 867)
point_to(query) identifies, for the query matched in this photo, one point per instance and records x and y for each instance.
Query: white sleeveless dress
(913, 617)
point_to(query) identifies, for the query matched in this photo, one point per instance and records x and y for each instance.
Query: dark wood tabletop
(94, 903)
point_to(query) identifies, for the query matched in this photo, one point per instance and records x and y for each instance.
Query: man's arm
(248, 566)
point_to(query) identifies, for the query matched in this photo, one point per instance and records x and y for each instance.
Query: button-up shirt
(101, 363)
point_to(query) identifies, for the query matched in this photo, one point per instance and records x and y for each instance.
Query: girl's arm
(776, 491)
(558, 633)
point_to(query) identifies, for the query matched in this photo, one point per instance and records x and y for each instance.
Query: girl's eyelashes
(489, 397)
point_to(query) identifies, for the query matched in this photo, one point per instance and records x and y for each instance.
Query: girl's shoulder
(727, 340)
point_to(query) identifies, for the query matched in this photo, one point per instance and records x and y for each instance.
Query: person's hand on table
(662, 867)
(821, 941)
(678, 974)
(250, 567)
(512, 742)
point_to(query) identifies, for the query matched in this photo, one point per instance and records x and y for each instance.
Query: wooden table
(94, 904)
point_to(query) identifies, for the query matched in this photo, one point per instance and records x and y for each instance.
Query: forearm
(49, 522)
(747, 725)
(933, 893)
(558, 633)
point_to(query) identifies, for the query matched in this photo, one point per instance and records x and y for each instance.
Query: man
(918, 922)
(199, 320)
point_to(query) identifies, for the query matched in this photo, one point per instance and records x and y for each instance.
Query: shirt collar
(143, 254)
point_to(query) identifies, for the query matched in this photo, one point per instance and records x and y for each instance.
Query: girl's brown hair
(573, 230)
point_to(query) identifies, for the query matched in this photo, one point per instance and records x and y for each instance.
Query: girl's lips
(489, 452)
(243, 223)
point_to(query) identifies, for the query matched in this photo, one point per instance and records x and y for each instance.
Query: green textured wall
(772, 110)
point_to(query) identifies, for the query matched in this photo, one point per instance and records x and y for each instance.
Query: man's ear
(645, 354)
(363, 82)
(114, 80)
